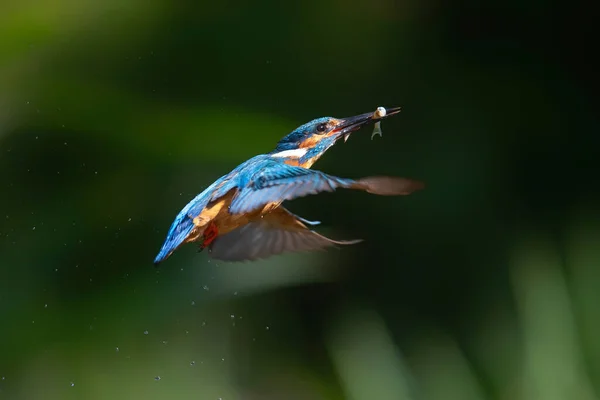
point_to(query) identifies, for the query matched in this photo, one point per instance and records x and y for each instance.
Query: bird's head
(310, 141)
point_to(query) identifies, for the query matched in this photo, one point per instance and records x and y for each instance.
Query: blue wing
(277, 232)
(276, 182)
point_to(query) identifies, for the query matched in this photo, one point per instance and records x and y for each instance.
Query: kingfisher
(240, 217)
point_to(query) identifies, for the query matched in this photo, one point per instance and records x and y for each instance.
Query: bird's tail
(388, 185)
(180, 230)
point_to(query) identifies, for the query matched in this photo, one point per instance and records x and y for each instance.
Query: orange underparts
(210, 234)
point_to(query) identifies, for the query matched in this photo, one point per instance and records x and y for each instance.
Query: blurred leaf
(553, 366)
(366, 360)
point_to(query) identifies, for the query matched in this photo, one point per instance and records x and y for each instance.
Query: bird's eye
(321, 128)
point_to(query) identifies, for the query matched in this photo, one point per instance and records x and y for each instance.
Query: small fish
(380, 112)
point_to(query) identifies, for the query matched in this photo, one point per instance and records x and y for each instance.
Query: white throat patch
(296, 153)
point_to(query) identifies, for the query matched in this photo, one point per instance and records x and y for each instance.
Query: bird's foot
(210, 234)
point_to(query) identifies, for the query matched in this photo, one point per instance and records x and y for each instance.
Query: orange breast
(218, 212)
(304, 164)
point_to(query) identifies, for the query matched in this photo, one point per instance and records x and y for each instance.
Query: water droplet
(157, 378)
(45, 305)
(72, 384)
(235, 293)
(117, 349)
(205, 287)
(193, 302)
(145, 332)
(165, 342)
(129, 220)
(33, 228)
(203, 323)
(267, 327)
(193, 363)
(232, 316)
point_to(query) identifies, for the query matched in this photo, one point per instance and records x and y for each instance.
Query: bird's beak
(351, 124)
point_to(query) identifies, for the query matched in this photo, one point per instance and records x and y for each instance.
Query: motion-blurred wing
(275, 182)
(278, 182)
(275, 233)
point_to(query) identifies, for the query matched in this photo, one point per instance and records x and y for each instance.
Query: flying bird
(240, 216)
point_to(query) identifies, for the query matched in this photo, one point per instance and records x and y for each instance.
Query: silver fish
(380, 112)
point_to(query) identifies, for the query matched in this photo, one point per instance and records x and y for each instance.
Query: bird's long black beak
(352, 124)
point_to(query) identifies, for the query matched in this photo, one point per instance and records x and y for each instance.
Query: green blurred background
(486, 285)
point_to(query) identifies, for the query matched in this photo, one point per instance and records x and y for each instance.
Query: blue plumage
(291, 141)
(180, 230)
(276, 181)
(261, 180)
(183, 224)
